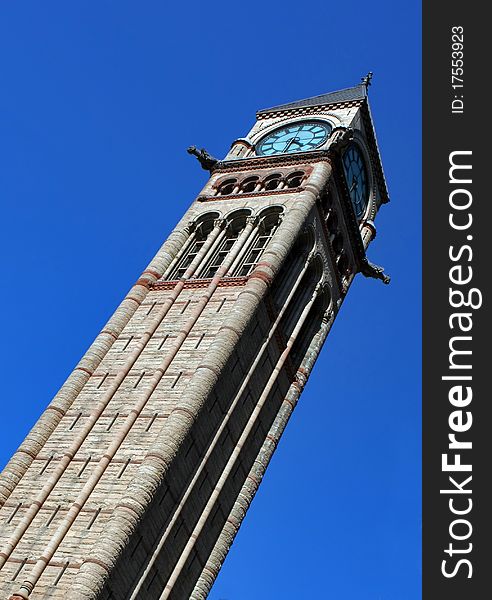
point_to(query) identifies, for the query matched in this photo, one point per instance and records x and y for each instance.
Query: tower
(135, 479)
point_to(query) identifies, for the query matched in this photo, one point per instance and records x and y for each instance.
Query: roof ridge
(357, 92)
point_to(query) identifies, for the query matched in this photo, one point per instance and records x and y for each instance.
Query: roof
(358, 92)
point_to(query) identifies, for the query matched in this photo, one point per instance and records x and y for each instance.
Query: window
(310, 328)
(227, 187)
(273, 181)
(301, 297)
(234, 228)
(294, 180)
(332, 221)
(267, 227)
(189, 258)
(200, 236)
(326, 202)
(221, 253)
(291, 267)
(337, 243)
(249, 184)
(342, 263)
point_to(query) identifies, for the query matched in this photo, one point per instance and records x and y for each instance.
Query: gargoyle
(369, 269)
(207, 161)
(344, 137)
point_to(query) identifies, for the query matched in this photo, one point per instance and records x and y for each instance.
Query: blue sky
(99, 103)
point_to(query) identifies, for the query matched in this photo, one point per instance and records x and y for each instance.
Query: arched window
(326, 201)
(202, 230)
(236, 224)
(310, 327)
(249, 184)
(342, 263)
(332, 221)
(268, 225)
(291, 267)
(272, 181)
(227, 187)
(337, 243)
(301, 297)
(294, 180)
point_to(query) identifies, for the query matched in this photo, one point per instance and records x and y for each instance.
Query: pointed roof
(358, 92)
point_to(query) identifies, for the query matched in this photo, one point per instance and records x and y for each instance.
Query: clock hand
(354, 185)
(291, 141)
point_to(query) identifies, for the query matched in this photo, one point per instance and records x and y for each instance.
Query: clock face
(297, 137)
(356, 176)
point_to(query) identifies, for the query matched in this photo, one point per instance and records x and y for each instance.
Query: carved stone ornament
(369, 269)
(344, 136)
(207, 161)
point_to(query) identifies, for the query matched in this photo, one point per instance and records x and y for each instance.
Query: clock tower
(136, 478)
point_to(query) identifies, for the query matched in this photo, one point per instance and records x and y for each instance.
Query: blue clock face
(297, 137)
(356, 177)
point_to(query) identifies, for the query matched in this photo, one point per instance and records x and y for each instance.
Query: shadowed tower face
(135, 480)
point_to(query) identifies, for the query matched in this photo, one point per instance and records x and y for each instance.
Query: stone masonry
(134, 481)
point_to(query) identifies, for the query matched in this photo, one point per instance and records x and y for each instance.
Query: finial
(367, 79)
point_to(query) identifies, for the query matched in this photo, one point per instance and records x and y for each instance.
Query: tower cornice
(263, 162)
(210, 198)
